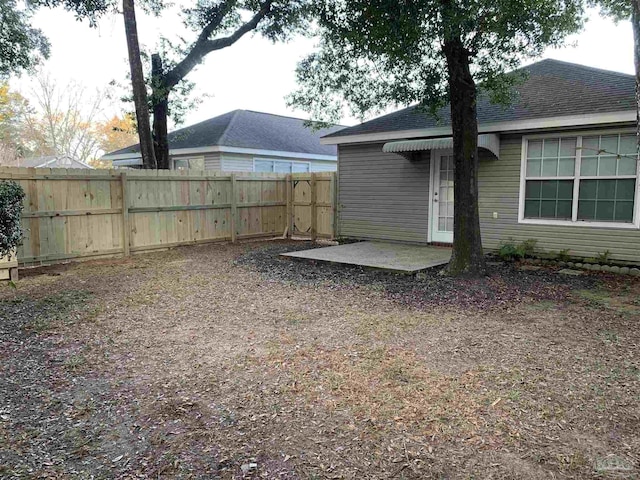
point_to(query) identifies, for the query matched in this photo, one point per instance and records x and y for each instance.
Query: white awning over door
(489, 141)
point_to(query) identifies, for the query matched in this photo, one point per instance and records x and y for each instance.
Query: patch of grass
(75, 363)
(43, 314)
(385, 326)
(514, 395)
(542, 305)
(388, 385)
(609, 336)
(601, 298)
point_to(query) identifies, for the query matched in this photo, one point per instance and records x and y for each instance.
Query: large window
(585, 178)
(280, 166)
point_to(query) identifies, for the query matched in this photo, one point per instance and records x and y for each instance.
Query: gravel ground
(227, 362)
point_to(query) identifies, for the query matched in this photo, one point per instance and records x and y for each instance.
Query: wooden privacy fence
(73, 213)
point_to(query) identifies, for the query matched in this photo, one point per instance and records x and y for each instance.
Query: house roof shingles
(553, 88)
(249, 129)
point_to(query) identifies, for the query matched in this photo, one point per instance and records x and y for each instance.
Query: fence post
(290, 209)
(125, 215)
(314, 209)
(234, 209)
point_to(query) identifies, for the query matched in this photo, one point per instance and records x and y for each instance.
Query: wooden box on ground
(8, 268)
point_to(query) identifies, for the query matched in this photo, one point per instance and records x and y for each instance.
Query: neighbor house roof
(53, 161)
(246, 129)
(552, 89)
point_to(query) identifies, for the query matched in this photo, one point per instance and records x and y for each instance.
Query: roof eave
(223, 149)
(496, 127)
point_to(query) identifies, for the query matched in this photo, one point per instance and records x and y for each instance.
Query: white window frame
(635, 225)
(280, 160)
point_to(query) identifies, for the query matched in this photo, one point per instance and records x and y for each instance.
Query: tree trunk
(160, 103)
(138, 85)
(467, 257)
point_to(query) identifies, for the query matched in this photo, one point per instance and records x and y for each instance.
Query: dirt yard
(228, 362)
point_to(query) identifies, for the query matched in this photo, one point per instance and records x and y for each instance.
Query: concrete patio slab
(393, 257)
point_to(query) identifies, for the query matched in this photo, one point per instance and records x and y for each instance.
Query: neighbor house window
(586, 178)
(280, 166)
(196, 163)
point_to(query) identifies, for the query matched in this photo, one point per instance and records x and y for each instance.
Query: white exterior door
(442, 196)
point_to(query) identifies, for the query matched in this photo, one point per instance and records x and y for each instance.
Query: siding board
(382, 195)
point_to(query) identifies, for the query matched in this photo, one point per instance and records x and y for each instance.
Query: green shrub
(512, 251)
(563, 255)
(11, 196)
(528, 247)
(603, 257)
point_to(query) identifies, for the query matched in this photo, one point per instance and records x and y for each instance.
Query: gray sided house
(244, 141)
(558, 166)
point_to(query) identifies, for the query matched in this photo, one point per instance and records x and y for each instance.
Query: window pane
(628, 145)
(565, 190)
(548, 209)
(449, 224)
(586, 209)
(300, 167)
(607, 166)
(282, 167)
(196, 163)
(549, 189)
(568, 147)
(626, 190)
(567, 167)
(534, 168)
(588, 189)
(627, 166)
(533, 189)
(589, 146)
(550, 167)
(180, 164)
(624, 212)
(564, 209)
(534, 149)
(589, 167)
(606, 190)
(609, 145)
(604, 210)
(532, 209)
(263, 166)
(551, 148)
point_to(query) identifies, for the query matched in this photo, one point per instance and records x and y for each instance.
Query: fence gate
(313, 203)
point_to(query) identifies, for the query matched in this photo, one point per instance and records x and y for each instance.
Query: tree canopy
(375, 54)
(21, 46)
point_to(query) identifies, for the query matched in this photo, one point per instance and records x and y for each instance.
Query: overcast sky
(252, 74)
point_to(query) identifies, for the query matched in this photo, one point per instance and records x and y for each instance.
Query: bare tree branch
(204, 45)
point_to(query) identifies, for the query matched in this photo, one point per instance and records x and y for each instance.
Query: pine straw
(194, 363)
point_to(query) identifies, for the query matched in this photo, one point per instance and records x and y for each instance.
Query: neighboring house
(558, 166)
(244, 141)
(52, 161)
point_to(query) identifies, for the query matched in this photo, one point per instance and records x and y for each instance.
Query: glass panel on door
(445, 194)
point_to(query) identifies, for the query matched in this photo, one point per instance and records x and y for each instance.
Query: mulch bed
(505, 284)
